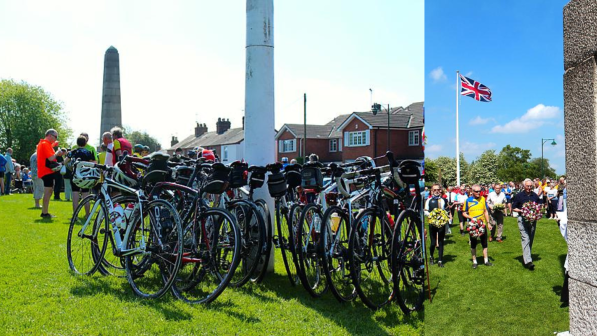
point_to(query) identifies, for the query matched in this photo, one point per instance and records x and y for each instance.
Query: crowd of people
(50, 170)
(480, 210)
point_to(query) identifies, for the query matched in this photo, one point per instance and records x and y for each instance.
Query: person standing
(109, 159)
(81, 153)
(38, 184)
(552, 200)
(121, 145)
(475, 209)
(508, 192)
(451, 197)
(2, 172)
(59, 181)
(47, 167)
(67, 178)
(527, 228)
(497, 197)
(10, 169)
(436, 234)
(88, 146)
(461, 199)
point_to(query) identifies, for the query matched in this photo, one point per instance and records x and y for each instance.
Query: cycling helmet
(284, 160)
(122, 178)
(138, 148)
(85, 176)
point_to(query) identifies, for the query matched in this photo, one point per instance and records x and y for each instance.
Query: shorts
(76, 188)
(483, 240)
(49, 180)
(508, 201)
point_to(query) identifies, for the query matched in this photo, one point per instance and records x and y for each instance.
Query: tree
(484, 169)
(26, 113)
(513, 163)
(534, 169)
(431, 171)
(137, 137)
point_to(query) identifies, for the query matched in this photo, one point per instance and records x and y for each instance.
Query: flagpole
(457, 142)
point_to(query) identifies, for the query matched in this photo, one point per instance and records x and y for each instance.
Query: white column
(259, 91)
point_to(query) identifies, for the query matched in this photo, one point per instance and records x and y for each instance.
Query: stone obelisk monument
(111, 113)
(259, 90)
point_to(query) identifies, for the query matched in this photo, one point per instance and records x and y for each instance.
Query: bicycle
(149, 240)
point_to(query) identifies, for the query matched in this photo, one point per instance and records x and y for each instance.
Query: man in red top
(45, 156)
(121, 144)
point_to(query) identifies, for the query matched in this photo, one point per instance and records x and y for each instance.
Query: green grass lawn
(505, 299)
(39, 294)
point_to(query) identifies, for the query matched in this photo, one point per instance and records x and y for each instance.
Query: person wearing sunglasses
(437, 235)
(475, 209)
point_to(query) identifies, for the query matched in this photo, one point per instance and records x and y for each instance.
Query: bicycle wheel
(268, 228)
(211, 259)
(111, 264)
(87, 240)
(408, 264)
(334, 248)
(251, 226)
(309, 232)
(286, 239)
(369, 258)
(152, 269)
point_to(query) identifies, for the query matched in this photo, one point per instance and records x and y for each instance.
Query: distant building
(343, 139)
(349, 136)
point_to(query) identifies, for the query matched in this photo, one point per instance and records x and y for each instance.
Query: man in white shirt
(107, 140)
(496, 197)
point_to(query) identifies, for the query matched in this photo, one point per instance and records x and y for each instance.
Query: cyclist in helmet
(313, 158)
(284, 162)
(145, 151)
(138, 149)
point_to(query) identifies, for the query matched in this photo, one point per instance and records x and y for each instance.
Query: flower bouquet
(531, 211)
(499, 207)
(475, 228)
(438, 218)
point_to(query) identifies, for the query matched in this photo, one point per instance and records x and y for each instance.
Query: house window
(287, 146)
(356, 139)
(413, 138)
(333, 145)
(225, 154)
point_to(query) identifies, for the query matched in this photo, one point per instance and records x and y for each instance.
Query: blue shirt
(2, 163)
(10, 167)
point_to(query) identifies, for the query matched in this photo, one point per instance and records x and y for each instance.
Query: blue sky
(184, 61)
(513, 47)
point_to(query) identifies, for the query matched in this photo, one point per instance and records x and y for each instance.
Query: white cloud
(468, 74)
(479, 121)
(475, 148)
(438, 75)
(433, 148)
(534, 117)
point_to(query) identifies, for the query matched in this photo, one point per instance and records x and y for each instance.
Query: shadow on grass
(448, 258)
(562, 259)
(347, 315)
(535, 258)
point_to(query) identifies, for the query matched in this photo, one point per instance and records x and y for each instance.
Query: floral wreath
(531, 212)
(476, 228)
(438, 217)
(499, 207)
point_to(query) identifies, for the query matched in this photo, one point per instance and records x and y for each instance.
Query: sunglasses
(476, 190)
(435, 189)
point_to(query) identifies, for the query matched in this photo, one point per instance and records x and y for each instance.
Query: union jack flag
(474, 89)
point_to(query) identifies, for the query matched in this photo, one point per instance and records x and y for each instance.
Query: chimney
(222, 125)
(200, 130)
(174, 141)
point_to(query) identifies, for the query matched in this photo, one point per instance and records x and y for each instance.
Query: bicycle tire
(336, 262)
(369, 251)
(309, 232)
(252, 227)
(91, 243)
(207, 270)
(408, 264)
(162, 255)
(262, 266)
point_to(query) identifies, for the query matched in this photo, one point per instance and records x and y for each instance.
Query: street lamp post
(543, 141)
(376, 108)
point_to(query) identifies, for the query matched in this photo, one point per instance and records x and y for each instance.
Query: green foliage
(534, 169)
(484, 169)
(137, 137)
(513, 163)
(446, 170)
(431, 171)
(26, 113)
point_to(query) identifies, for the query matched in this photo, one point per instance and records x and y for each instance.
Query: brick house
(228, 143)
(349, 136)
